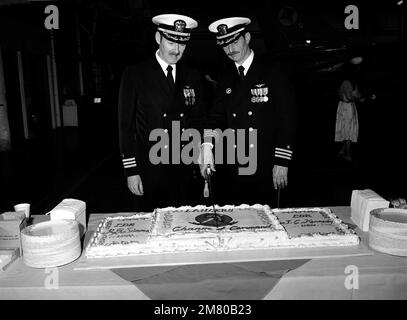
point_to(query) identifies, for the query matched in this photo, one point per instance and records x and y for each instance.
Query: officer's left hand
(280, 179)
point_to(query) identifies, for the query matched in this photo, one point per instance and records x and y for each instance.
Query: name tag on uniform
(260, 93)
(189, 95)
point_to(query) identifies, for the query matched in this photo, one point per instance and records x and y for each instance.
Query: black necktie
(241, 72)
(170, 77)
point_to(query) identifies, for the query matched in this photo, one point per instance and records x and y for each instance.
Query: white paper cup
(23, 207)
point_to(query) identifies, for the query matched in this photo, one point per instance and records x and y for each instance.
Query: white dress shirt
(247, 63)
(164, 65)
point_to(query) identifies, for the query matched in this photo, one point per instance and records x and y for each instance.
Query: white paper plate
(51, 243)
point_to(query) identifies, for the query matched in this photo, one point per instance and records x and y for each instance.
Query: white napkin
(68, 209)
(19, 215)
(362, 203)
(71, 209)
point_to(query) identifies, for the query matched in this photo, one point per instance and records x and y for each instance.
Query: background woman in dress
(347, 124)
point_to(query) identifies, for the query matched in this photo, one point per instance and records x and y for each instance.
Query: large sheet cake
(196, 229)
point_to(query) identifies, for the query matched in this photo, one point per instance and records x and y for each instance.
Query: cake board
(190, 258)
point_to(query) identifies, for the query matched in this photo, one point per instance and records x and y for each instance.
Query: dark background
(83, 161)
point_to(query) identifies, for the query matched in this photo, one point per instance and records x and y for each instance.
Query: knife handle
(206, 190)
(208, 170)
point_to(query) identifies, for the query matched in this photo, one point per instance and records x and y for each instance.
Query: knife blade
(208, 174)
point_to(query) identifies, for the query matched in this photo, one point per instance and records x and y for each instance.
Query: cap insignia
(222, 29)
(179, 25)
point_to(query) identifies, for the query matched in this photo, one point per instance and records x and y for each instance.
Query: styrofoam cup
(23, 207)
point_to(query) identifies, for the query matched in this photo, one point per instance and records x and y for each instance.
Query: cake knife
(208, 175)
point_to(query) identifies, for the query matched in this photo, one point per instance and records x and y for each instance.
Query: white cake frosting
(315, 227)
(196, 229)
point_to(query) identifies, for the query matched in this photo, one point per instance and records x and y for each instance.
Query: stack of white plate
(388, 231)
(51, 244)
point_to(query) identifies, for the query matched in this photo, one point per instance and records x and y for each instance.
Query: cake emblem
(213, 220)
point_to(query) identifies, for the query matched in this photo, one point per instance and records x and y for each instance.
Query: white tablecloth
(380, 276)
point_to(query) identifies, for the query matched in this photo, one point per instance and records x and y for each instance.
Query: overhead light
(97, 100)
(308, 41)
(356, 60)
(400, 3)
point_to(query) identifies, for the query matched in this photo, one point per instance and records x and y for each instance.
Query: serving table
(375, 276)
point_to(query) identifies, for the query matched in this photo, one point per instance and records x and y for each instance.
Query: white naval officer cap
(228, 29)
(175, 27)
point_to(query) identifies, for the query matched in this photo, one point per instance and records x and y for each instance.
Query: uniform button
(166, 146)
(164, 115)
(250, 129)
(165, 130)
(183, 130)
(233, 130)
(250, 113)
(235, 146)
(181, 115)
(234, 115)
(251, 145)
